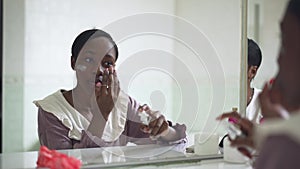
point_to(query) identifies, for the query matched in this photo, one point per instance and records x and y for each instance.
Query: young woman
(96, 112)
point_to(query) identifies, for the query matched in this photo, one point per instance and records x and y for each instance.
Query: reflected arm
(52, 133)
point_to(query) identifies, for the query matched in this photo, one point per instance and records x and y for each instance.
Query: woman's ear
(73, 62)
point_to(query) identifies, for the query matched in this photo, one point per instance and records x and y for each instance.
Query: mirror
(180, 57)
(264, 27)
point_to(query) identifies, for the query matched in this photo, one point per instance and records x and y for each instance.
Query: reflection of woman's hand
(247, 128)
(107, 92)
(158, 125)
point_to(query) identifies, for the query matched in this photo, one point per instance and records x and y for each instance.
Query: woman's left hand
(270, 103)
(158, 125)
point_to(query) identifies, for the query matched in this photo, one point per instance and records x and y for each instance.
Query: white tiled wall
(13, 82)
(38, 35)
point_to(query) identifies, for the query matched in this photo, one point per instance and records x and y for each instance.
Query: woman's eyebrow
(108, 55)
(90, 52)
(94, 54)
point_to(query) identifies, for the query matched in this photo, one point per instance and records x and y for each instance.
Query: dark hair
(254, 54)
(294, 8)
(83, 37)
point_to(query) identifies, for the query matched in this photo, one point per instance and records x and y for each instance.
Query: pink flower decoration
(54, 160)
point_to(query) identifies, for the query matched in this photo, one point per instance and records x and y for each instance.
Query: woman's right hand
(247, 127)
(107, 92)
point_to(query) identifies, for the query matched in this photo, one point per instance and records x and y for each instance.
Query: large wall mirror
(181, 57)
(264, 27)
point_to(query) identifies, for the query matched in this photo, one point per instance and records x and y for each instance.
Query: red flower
(54, 160)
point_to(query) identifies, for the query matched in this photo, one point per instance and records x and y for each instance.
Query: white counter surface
(139, 157)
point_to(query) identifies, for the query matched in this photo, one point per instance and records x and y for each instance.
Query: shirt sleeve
(277, 126)
(278, 151)
(52, 133)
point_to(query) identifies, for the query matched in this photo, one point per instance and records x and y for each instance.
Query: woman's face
(96, 55)
(287, 80)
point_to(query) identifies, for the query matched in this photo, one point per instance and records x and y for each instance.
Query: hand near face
(107, 91)
(247, 128)
(158, 125)
(270, 103)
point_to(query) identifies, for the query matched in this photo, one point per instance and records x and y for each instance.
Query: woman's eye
(107, 64)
